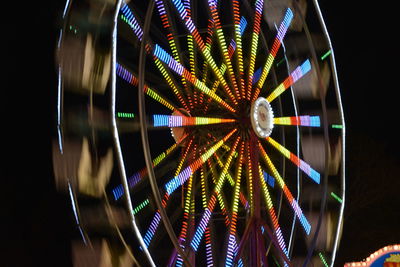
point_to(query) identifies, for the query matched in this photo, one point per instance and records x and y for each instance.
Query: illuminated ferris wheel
(213, 130)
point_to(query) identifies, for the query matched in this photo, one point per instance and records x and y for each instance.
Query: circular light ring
(262, 117)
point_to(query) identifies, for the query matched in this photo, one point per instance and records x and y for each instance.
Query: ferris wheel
(206, 133)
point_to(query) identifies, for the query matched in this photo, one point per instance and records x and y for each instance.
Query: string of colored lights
(242, 198)
(238, 40)
(222, 201)
(171, 35)
(204, 198)
(127, 115)
(232, 229)
(132, 79)
(156, 219)
(181, 178)
(220, 197)
(179, 121)
(186, 219)
(209, 42)
(131, 20)
(250, 177)
(172, 43)
(167, 76)
(118, 191)
(212, 4)
(231, 50)
(323, 259)
(180, 70)
(287, 19)
(188, 22)
(310, 121)
(192, 55)
(298, 73)
(254, 44)
(140, 206)
(188, 216)
(306, 168)
(292, 201)
(272, 214)
(212, 201)
(162, 11)
(128, 17)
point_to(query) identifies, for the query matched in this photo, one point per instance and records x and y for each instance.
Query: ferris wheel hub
(262, 117)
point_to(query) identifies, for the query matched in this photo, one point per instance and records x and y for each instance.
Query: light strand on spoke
(292, 201)
(272, 214)
(287, 19)
(231, 50)
(232, 229)
(186, 220)
(298, 73)
(250, 176)
(238, 40)
(157, 217)
(118, 191)
(132, 79)
(128, 17)
(182, 177)
(310, 121)
(188, 22)
(179, 121)
(180, 70)
(212, 4)
(254, 45)
(212, 201)
(306, 168)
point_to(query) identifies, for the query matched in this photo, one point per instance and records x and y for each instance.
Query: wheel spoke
(310, 121)
(232, 244)
(306, 168)
(212, 4)
(211, 203)
(188, 22)
(182, 71)
(118, 191)
(272, 214)
(181, 178)
(254, 45)
(287, 19)
(298, 73)
(133, 80)
(179, 121)
(292, 201)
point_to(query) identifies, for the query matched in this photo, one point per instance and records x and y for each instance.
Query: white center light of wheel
(262, 117)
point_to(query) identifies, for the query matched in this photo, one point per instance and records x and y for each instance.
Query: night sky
(35, 218)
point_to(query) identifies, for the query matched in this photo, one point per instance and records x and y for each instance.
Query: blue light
(315, 121)
(305, 67)
(243, 24)
(269, 179)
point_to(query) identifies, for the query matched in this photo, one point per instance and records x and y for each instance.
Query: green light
(326, 54)
(337, 126)
(323, 259)
(125, 115)
(140, 206)
(336, 197)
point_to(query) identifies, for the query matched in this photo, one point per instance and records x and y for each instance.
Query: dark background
(34, 218)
